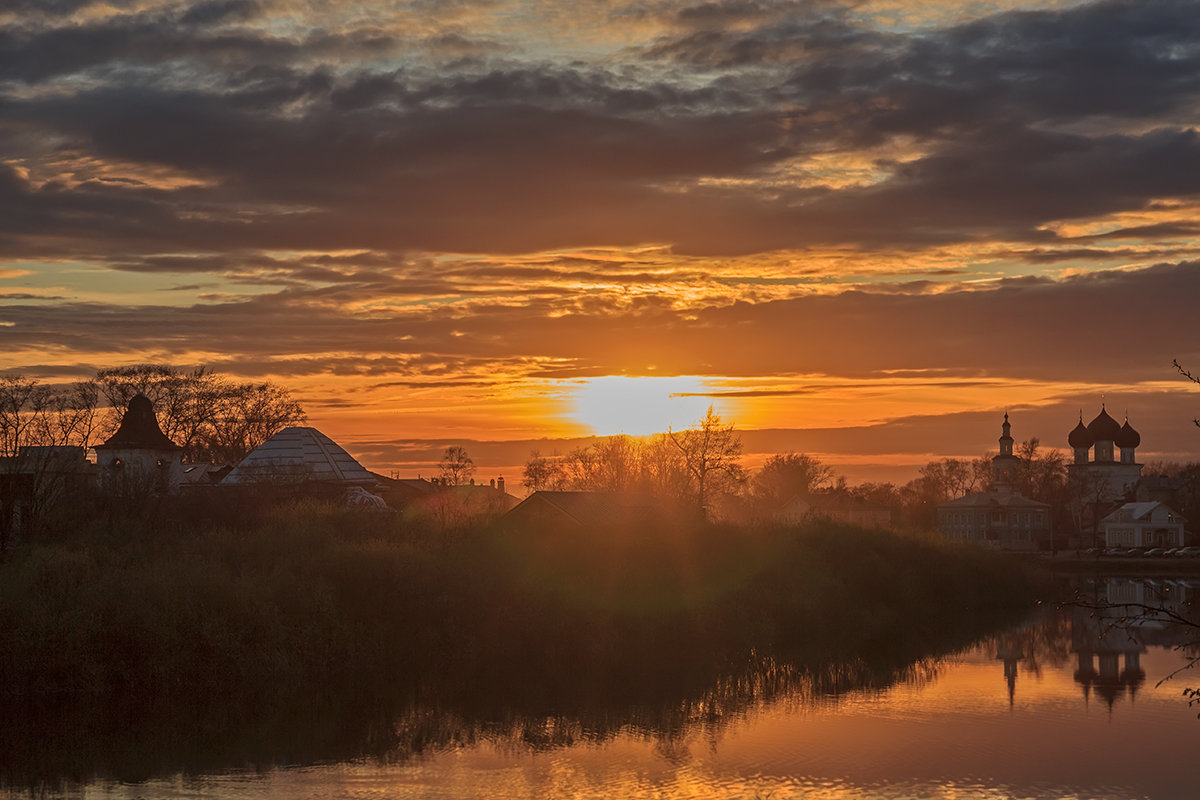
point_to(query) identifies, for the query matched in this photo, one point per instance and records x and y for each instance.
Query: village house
(1151, 524)
(554, 510)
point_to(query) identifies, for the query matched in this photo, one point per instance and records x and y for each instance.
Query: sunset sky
(861, 229)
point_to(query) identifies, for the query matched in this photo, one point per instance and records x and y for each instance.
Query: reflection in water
(1012, 716)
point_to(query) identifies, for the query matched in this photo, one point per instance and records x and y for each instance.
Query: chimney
(500, 483)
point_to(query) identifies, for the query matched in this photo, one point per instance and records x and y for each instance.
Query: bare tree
(1194, 379)
(44, 434)
(544, 473)
(710, 453)
(211, 417)
(456, 466)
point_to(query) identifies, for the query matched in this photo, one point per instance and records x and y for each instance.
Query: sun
(639, 406)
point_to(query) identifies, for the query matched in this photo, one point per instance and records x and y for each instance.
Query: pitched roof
(1139, 511)
(589, 508)
(299, 455)
(993, 500)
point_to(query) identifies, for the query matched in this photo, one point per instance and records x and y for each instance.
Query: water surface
(1069, 705)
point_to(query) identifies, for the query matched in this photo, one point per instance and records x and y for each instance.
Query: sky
(860, 229)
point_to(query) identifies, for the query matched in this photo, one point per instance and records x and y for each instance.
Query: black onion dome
(1080, 437)
(1104, 428)
(139, 428)
(1127, 437)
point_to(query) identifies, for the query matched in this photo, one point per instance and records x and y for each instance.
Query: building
(547, 510)
(1150, 524)
(37, 480)
(1104, 473)
(139, 459)
(300, 456)
(835, 506)
(1105, 467)
(1001, 517)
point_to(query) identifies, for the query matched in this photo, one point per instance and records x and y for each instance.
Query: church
(1096, 475)
(1001, 518)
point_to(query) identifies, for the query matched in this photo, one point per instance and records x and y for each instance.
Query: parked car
(1156, 552)
(1135, 552)
(1189, 552)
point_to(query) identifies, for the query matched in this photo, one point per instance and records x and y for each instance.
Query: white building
(1143, 525)
(1096, 475)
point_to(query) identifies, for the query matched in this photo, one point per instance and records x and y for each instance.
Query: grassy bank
(318, 602)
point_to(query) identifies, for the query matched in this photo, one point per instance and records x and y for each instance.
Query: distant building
(999, 518)
(298, 456)
(1150, 524)
(139, 459)
(839, 507)
(578, 510)
(1098, 474)
(36, 480)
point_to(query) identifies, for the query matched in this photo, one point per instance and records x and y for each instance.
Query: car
(1189, 552)
(1135, 552)
(1156, 552)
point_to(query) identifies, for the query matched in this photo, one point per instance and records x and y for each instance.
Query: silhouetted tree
(456, 466)
(209, 416)
(1190, 377)
(710, 453)
(784, 477)
(544, 472)
(33, 418)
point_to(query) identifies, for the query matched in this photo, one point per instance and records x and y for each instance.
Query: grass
(223, 628)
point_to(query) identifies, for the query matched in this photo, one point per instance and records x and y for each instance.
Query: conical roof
(139, 428)
(299, 455)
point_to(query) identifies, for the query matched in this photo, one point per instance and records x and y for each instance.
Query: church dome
(1080, 437)
(1127, 437)
(1104, 428)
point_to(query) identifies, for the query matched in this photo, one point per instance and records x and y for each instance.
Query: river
(1072, 704)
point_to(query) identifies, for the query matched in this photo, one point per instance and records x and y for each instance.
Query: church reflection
(1108, 629)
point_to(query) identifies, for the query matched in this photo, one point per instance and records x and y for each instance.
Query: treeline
(213, 418)
(701, 465)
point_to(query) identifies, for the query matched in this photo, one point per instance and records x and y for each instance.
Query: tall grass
(315, 608)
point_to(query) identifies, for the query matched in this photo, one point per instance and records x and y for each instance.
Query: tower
(1005, 463)
(139, 459)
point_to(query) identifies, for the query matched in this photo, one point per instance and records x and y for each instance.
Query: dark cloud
(1050, 330)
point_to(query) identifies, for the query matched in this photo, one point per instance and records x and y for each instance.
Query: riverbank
(210, 632)
(315, 596)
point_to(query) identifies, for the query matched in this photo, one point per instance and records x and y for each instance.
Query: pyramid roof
(299, 455)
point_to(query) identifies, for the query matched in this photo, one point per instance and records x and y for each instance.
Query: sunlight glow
(639, 406)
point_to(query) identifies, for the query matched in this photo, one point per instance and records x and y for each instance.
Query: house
(1000, 518)
(839, 507)
(1151, 524)
(579, 510)
(36, 480)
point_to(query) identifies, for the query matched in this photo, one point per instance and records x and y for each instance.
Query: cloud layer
(478, 199)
